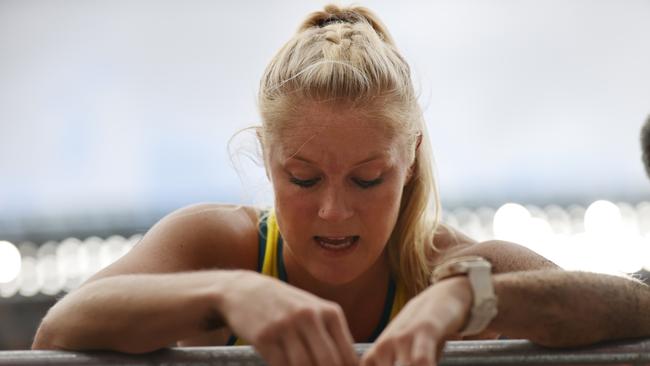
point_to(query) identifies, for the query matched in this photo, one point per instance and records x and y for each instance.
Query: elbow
(48, 338)
(52, 336)
(44, 338)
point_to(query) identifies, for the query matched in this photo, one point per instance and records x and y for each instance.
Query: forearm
(552, 307)
(135, 313)
(558, 308)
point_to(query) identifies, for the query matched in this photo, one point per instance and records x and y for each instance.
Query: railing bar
(484, 353)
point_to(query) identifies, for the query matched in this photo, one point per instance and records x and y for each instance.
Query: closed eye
(368, 183)
(304, 183)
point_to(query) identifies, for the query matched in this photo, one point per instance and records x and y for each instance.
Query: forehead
(325, 133)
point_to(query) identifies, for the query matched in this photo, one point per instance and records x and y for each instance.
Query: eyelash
(304, 183)
(364, 184)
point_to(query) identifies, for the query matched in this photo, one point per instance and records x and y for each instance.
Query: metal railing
(501, 352)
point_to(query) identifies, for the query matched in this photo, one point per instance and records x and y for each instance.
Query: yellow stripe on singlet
(270, 267)
(270, 260)
(399, 300)
(270, 264)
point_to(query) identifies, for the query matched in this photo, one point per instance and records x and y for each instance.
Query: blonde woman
(351, 251)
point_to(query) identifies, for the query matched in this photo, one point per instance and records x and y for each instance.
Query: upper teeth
(335, 240)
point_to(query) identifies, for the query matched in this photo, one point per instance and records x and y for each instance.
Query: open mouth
(336, 243)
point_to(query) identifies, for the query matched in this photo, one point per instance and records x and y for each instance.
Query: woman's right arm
(137, 313)
(138, 305)
(188, 276)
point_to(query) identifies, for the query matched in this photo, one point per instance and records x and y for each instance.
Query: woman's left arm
(536, 300)
(556, 308)
(506, 257)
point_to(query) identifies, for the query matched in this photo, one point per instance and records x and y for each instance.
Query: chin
(335, 277)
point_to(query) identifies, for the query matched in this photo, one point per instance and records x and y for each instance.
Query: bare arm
(136, 304)
(135, 313)
(550, 306)
(148, 300)
(559, 308)
(504, 256)
(536, 300)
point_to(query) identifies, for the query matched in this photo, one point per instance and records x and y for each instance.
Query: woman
(348, 246)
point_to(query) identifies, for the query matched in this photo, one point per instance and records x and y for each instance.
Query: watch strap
(479, 274)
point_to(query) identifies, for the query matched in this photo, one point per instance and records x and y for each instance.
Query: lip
(333, 250)
(335, 237)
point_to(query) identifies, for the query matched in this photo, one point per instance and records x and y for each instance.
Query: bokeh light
(604, 237)
(10, 262)
(511, 223)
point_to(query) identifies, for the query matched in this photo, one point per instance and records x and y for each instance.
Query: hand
(418, 334)
(286, 325)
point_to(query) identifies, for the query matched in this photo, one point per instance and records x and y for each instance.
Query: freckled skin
(334, 142)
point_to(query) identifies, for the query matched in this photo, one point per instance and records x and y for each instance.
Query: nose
(333, 205)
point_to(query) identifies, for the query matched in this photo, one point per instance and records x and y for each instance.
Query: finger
(295, 349)
(338, 328)
(272, 354)
(440, 345)
(402, 349)
(368, 360)
(320, 344)
(423, 351)
(380, 354)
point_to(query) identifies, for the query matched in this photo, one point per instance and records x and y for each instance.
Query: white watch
(484, 301)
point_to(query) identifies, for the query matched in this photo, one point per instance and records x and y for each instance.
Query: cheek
(293, 210)
(291, 199)
(380, 211)
(387, 195)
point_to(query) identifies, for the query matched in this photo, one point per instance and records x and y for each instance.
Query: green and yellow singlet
(270, 263)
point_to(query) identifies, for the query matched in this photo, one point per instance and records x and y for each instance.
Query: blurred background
(114, 113)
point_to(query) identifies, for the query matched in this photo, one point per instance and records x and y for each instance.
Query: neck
(349, 295)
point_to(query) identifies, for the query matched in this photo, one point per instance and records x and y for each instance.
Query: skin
(356, 175)
(192, 278)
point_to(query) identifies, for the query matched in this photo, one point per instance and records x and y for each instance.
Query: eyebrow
(366, 160)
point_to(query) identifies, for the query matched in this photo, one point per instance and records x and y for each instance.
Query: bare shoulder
(201, 236)
(448, 242)
(504, 256)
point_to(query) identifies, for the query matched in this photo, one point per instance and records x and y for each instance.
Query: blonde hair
(346, 55)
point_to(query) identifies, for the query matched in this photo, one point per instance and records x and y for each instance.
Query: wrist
(458, 292)
(477, 272)
(221, 291)
(225, 281)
